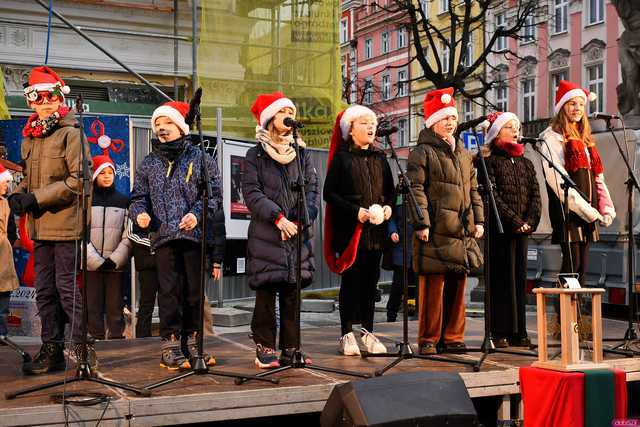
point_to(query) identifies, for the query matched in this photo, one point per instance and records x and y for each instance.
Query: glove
(22, 203)
(107, 265)
(607, 220)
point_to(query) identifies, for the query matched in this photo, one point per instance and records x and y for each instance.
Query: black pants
(57, 296)
(397, 289)
(358, 291)
(178, 264)
(579, 256)
(508, 276)
(104, 296)
(148, 291)
(263, 323)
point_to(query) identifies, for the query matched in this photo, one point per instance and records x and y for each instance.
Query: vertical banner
(254, 47)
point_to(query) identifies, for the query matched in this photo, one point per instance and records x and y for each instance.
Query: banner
(255, 47)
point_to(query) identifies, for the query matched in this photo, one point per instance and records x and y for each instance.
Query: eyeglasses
(49, 96)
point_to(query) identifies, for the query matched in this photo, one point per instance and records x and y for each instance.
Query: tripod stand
(198, 364)
(4, 340)
(298, 360)
(404, 348)
(83, 370)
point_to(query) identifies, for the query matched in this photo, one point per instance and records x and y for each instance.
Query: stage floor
(209, 398)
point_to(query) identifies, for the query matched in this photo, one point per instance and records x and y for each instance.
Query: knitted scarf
(281, 151)
(40, 128)
(512, 149)
(575, 157)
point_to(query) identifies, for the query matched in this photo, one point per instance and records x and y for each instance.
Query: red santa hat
(100, 163)
(176, 111)
(567, 90)
(439, 104)
(267, 105)
(43, 79)
(5, 175)
(495, 121)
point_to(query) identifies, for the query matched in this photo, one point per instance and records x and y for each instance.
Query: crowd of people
(160, 226)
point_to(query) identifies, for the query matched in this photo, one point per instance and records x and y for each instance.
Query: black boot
(49, 358)
(89, 356)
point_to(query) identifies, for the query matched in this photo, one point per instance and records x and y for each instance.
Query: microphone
(604, 116)
(529, 140)
(386, 131)
(194, 107)
(292, 123)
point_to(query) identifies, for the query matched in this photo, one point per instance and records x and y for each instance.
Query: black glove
(107, 265)
(23, 202)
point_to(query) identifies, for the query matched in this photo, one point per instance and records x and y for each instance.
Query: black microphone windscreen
(194, 106)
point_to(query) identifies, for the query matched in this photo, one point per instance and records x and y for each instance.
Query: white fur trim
(171, 113)
(502, 120)
(352, 113)
(376, 214)
(567, 96)
(104, 141)
(6, 176)
(101, 168)
(593, 96)
(442, 113)
(445, 98)
(273, 108)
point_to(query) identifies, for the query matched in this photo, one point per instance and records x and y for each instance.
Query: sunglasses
(49, 96)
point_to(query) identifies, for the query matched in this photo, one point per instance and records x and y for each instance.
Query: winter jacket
(358, 179)
(53, 173)
(446, 190)
(8, 276)
(167, 191)
(141, 247)
(396, 226)
(266, 186)
(516, 190)
(108, 229)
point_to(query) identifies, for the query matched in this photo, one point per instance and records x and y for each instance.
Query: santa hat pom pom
(376, 214)
(65, 89)
(445, 98)
(485, 125)
(593, 96)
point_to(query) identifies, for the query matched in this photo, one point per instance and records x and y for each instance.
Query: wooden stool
(569, 342)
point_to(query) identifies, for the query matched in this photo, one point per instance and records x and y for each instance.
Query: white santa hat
(44, 79)
(567, 90)
(438, 105)
(100, 163)
(267, 105)
(495, 122)
(176, 111)
(352, 113)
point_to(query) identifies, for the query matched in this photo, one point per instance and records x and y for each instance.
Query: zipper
(104, 216)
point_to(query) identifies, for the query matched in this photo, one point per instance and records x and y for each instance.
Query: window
(467, 110)
(500, 93)
(402, 38)
(344, 30)
(595, 83)
(424, 5)
(596, 11)
(368, 48)
(403, 135)
(384, 42)
(386, 87)
(444, 58)
(560, 15)
(528, 99)
(344, 70)
(501, 22)
(368, 91)
(528, 33)
(402, 83)
(555, 82)
(444, 6)
(468, 60)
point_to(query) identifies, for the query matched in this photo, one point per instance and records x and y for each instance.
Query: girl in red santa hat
(358, 190)
(270, 170)
(571, 147)
(517, 197)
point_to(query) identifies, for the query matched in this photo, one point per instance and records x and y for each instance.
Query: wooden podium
(569, 343)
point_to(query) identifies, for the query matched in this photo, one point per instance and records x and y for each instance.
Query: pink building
(375, 52)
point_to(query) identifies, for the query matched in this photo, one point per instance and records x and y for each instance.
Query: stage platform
(208, 398)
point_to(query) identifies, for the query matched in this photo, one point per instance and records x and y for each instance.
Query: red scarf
(575, 157)
(513, 149)
(39, 128)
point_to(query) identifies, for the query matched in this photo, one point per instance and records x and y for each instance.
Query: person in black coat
(359, 191)
(270, 170)
(517, 197)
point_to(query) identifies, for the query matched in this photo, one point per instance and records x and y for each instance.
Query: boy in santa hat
(8, 277)
(359, 191)
(167, 202)
(49, 196)
(443, 178)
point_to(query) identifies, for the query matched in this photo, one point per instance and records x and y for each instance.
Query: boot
(49, 358)
(90, 356)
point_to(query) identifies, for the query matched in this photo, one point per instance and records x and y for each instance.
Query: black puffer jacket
(266, 186)
(517, 193)
(358, 179)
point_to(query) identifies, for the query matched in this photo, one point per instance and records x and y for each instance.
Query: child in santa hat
(270, 170)
(517, 197)
(443, 178)
(108, 252)
(8, 277)
(166, 201)
(49, 196)
(570, 145)
(358, 190)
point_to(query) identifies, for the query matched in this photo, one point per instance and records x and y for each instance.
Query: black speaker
(408, 399)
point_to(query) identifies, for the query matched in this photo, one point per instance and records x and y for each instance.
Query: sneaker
(49, 358)
(266, 357)
(286, 357)
(172, 357)
(455, 348)
(349, 345)
(371, 342)
(427, 349)
(191, 350)
(89, 356)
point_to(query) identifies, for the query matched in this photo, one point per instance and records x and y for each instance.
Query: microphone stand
(297, 361)
(404, 348)
(198, 364)
(83, 370)
(632, 185)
